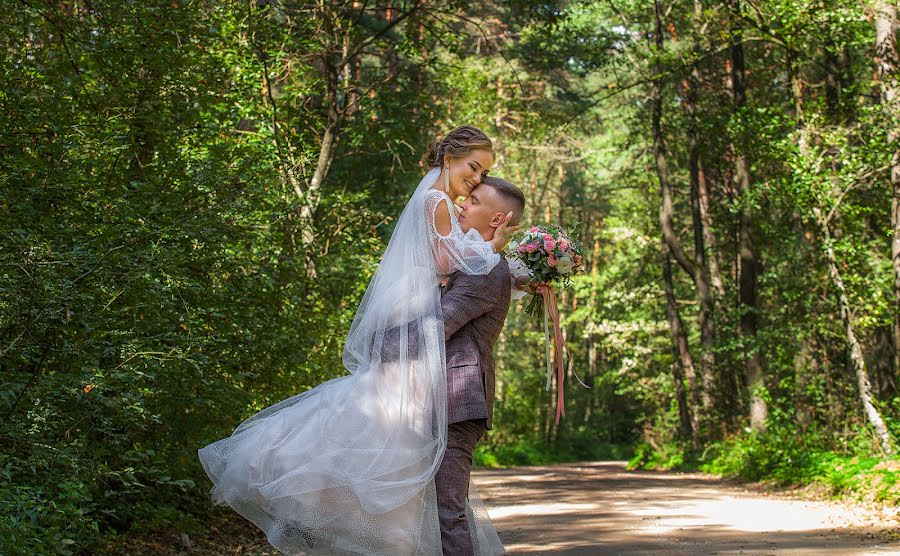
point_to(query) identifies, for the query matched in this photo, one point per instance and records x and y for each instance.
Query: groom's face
(483, 211)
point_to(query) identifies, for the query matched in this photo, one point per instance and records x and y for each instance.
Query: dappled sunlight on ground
(539, 509)
(739, 514)
(600, 508)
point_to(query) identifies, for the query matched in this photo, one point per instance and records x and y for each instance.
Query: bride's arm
(452, 250)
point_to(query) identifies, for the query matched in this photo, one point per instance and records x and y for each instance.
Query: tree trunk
(591, 379)
(699, 184)
(706, 312)
(659, 153)
(856, 355)
(880, 362)
(702, 283)
(593, 351)
(671, 246)
(887, 62)
(683, 359)
(749, 265)
(805, 366)
(712, 258)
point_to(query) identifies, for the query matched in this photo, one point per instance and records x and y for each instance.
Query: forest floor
(601, 508)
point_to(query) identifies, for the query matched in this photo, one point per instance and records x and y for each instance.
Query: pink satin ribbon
(552, 310)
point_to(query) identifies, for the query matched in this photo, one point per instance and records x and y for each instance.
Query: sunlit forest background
(193, 195)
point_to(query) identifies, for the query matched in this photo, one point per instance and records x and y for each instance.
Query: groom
(474, 310)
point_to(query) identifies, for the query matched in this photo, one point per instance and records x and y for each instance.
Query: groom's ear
(497, 219)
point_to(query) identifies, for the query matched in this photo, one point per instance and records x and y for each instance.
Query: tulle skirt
(345, 468)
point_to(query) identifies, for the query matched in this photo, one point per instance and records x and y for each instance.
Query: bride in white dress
(348, 467)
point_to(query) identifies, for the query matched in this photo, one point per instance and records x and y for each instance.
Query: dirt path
(600, 508)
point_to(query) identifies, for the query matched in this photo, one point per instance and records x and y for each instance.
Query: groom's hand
(524, 283)
(504, 232)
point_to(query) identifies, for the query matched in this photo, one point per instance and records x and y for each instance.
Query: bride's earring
(447, 180)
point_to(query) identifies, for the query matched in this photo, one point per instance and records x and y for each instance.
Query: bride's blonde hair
(458, 143)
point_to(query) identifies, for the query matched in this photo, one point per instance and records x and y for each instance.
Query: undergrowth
(786, 458)
(538, 453)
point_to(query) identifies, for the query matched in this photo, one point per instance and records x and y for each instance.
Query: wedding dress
(348, 467)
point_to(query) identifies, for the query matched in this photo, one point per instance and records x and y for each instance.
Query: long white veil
(348, 467)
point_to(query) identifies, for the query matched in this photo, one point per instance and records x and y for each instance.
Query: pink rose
(551, 260)
(547, 237)
(521, 249)
(531, 247)
(549, 244)
(563, 244)
(534, 229)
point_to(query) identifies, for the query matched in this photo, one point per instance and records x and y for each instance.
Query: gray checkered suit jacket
(474, 309)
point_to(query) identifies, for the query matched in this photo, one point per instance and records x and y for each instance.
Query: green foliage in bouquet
(550, 256)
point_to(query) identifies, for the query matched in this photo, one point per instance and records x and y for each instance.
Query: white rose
(564, 265)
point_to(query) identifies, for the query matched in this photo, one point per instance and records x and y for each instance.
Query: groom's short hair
(510, 193)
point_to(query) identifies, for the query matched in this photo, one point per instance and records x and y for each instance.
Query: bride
(348, 467)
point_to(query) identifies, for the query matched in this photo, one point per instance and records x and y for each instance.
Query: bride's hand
(504, 233)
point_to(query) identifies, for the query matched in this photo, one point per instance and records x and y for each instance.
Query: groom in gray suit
(474, 310)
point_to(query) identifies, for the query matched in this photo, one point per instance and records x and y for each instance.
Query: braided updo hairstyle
(458, 143)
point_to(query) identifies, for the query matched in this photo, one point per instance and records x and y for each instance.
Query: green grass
(785, 460)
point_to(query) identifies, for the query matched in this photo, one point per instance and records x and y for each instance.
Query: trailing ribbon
(551, 310)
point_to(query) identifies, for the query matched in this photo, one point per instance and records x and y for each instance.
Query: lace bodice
(457, 251)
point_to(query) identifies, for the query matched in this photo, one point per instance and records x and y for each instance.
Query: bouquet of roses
(550, 256)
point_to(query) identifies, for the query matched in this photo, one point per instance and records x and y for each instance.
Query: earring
(447, 180)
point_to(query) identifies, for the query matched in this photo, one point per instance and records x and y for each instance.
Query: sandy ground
(600, 508)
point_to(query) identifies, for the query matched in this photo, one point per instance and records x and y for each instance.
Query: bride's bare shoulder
(438, 203)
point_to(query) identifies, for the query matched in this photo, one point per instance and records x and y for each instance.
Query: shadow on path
(600, 508)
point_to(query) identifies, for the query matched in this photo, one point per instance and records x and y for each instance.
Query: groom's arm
(469, 297)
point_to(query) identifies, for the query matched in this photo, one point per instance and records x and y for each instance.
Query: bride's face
(466, 172)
